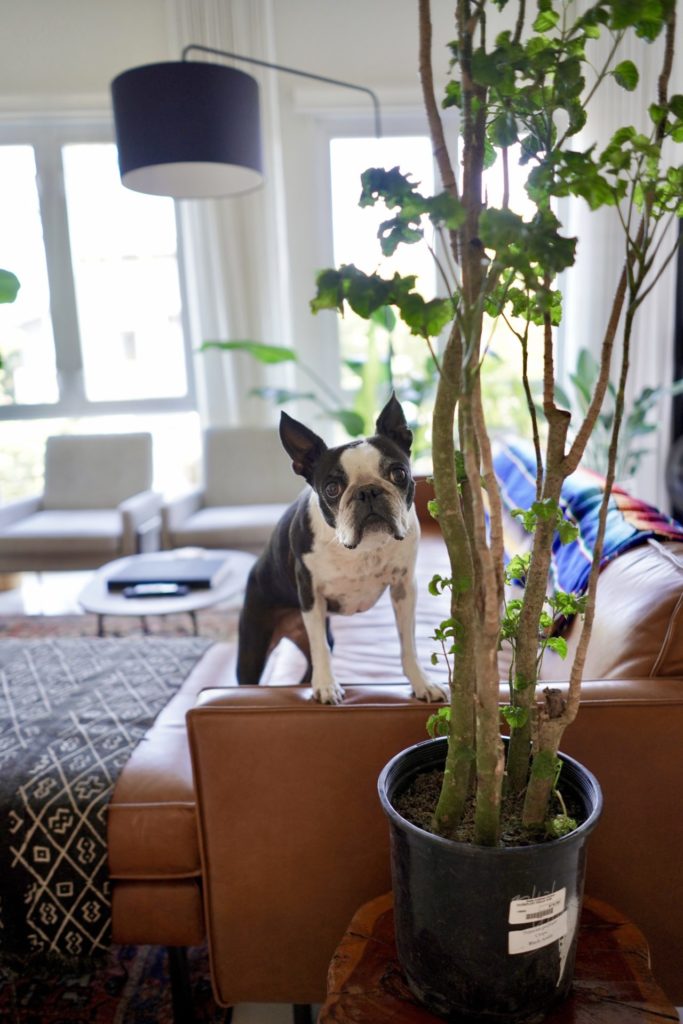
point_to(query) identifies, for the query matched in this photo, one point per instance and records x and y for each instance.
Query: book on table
(195, 573)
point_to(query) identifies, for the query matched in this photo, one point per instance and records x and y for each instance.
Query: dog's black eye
(332, 489)
(398, 476)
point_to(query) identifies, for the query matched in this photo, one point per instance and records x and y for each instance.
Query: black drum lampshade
(188, 129)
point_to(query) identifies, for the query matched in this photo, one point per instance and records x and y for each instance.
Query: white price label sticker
(537, 908)
(540, 935)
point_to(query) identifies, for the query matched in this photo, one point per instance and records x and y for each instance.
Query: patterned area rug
(128, 984)
(71, 711)
(131, 987)
(213, 623)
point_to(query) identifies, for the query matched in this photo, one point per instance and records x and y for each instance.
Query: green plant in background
(9, 288)
(636, 424)
(533, 85)
(269, 355)
(374, 378)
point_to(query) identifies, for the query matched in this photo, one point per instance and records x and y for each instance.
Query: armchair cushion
(237, 526)
(96, 471)
(57, 532)
(247, 466)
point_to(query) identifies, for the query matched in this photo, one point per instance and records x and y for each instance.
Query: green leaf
(676, 105)
(279, 396)
(557, 644)
(9, 286)
(503, 130)
(567, 531)
(438, 724)
(546, 21)
(517, 567)
(353, 423)
(433, 508)
(514, 716)
(268, 354)
(626, 75)
(560, 825)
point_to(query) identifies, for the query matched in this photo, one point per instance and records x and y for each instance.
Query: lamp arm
(292, 71)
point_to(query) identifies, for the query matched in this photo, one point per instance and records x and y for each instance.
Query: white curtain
(234, 250)
(591, 284)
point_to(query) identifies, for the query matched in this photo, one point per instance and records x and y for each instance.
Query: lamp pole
(291, 71)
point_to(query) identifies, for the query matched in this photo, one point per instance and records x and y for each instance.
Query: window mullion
(51, 194)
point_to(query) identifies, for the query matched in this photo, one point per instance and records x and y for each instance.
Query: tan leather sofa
(263, 830)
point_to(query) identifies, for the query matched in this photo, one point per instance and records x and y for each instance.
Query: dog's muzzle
(371, 511)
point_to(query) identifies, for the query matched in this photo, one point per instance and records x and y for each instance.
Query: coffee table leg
(195, 624)
(100, 625)
(145, 625)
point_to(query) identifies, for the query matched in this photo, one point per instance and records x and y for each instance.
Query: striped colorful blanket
(629, 520)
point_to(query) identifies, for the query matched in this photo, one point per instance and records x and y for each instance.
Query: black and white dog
(350, 535)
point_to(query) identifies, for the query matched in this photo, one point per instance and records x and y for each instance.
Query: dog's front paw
(433, 693)
(328, 692)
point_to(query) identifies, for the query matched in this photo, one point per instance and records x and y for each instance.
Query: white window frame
(47, 135)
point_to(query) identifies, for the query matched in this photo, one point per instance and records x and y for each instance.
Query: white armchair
(248, 484)
(97, 505)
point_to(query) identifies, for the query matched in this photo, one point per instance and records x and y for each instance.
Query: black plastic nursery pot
(486, 933)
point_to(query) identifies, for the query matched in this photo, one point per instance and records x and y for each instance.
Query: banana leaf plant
(532, 86)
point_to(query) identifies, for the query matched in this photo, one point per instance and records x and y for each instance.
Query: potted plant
(532, 85)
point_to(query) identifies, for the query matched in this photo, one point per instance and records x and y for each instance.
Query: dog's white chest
(353, 581)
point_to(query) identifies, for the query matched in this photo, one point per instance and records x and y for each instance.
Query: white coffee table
(96, 598)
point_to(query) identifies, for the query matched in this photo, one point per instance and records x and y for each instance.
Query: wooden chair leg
(181, 991)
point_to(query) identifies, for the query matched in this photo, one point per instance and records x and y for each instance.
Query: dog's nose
(368, 493)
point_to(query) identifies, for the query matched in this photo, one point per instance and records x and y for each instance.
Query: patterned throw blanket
(629, 521)
(71, 711)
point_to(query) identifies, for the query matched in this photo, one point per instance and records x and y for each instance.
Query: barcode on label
(537, 908)
(527, 939)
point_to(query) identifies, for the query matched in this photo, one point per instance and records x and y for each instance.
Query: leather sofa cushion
(152, 830)
(165, 912)
(56, 532)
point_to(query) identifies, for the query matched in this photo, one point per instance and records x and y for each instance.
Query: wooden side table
(612, 980)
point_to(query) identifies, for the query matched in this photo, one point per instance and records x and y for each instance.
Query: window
(123, 255)
(381, 354)
(97, 326)
(377, 356)
(29, 374)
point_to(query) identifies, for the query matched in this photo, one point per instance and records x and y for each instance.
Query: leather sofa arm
(293, 839)
(18, 509)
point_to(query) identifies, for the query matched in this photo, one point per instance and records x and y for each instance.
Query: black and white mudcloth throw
(71, 712)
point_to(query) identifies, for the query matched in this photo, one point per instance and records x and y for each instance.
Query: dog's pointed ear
(392, 424)
(302, 445)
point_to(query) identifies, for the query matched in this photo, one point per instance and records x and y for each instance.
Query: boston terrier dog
(351, 534)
